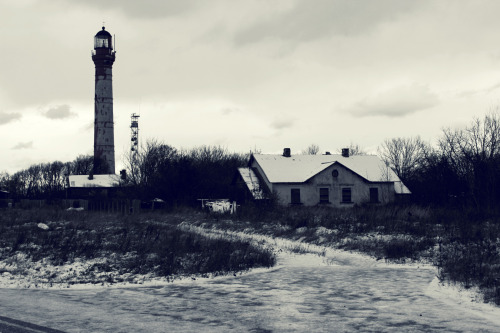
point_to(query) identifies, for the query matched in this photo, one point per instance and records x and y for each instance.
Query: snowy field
(312, 289)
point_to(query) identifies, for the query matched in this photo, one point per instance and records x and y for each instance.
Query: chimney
(287, 152)
(345, 152)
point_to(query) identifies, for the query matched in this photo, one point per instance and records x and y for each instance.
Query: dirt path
(339, 292)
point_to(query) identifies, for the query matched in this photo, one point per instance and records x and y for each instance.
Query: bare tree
(474, 153)
(205, 154)
(4, 180)
(354, 149)
(82, 165)
(313, 149)
(152, 158)
(52, 178)
(404, 155)
(478, 142)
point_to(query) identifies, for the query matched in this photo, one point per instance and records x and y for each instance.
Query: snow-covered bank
(312, 288)
(462, 298)
(20, 272)
(314, 255)
(291, 254)
(101, 251)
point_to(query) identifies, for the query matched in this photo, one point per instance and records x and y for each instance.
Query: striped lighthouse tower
(104, 142)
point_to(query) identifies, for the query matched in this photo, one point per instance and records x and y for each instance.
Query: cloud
(143, 9)
(282, 123)
(6, 118)
(228, 110)
(397, 102)
(89, 126)
(309, 21)
(23, 145)
(488, 90)
(59, 112)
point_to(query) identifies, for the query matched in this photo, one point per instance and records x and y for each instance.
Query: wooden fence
(123, 206)
(115, 206)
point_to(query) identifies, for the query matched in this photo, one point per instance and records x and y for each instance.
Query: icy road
(339, 292)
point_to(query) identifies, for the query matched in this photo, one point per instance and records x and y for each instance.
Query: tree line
(180, 176)
(44, 180)
(461, 168)
(158, 170)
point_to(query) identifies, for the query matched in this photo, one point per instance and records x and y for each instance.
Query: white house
(333, 180)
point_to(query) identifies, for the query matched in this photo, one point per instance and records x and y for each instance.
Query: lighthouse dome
(102, 40)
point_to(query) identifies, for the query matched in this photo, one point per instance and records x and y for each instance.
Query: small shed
(92, 186)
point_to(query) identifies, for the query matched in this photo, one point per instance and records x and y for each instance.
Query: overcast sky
(246, 75)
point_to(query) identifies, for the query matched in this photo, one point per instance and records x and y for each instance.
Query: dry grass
(123, 246)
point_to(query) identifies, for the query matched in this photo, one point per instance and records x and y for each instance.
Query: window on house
(346, 194)
(374, 194)
(295, 196)
(324, 195)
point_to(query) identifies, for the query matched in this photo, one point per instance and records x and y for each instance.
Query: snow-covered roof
(401, 188)
(300, 168)
(97, 181)
(252, 182)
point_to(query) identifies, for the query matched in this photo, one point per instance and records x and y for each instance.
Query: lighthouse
(103, 57)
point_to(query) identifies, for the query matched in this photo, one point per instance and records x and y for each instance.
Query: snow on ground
(458, 296)
(314, 255)
(310, 265)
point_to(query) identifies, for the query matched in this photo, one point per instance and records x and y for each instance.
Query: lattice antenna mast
(134, 136)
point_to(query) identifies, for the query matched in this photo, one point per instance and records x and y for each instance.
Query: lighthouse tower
(104, 142)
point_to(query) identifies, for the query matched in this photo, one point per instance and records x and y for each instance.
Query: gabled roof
(97, 181)
(300, 168)
(252, 182)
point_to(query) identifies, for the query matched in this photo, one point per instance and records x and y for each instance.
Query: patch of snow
(252, 182)
(79, 209)
(43, 226)
(458, 296)
(325, 231)
(19, 272)
(308, 282)
(109, 180)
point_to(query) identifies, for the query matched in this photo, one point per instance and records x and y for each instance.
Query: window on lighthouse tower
(102, 43)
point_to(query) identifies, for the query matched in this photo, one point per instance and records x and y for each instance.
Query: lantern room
(103, 40)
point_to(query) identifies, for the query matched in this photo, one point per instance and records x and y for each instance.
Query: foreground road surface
(305, 293)
(9, 325)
